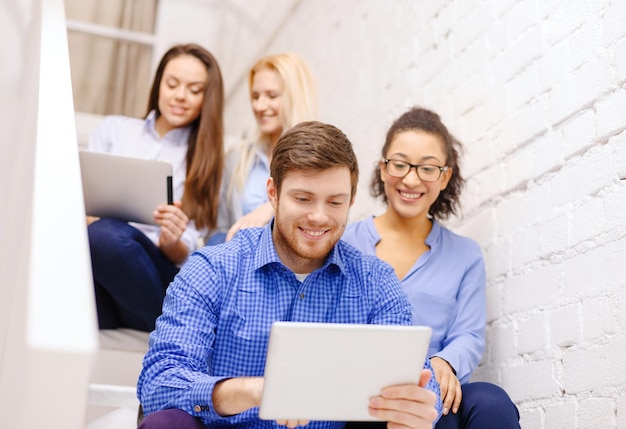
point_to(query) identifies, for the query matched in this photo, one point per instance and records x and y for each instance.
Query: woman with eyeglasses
(419, 180)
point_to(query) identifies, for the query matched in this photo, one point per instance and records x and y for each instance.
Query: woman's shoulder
(460, 243)
(115, 130)
(362, 235)
(122, 120)
(358, 229)
(237, 147)
(236, 150)
(114, 124)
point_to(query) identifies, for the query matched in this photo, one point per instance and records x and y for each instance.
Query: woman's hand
(173, 222)
(92, 219)
(450, 385)
(257, 217)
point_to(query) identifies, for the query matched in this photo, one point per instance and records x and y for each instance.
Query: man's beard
(294, 248)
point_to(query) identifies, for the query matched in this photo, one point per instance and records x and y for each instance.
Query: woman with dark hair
(443, 273)
(134, 263)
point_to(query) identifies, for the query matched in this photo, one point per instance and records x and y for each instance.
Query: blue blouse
(446, 287)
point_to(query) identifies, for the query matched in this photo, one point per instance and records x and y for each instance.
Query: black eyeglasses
(426, 172)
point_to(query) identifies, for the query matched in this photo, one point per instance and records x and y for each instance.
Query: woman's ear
(446, 176)
(382, 171)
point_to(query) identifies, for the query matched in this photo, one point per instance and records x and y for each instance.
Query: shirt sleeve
(434, 387)
(175, 370)
(464, 343)
(192, 236)
(391, 305)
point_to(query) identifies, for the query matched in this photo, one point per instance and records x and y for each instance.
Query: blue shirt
(218, 311)
(446, 287)
(122, 135)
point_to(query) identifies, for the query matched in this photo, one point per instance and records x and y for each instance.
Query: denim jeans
(130, 275)
(485, 406)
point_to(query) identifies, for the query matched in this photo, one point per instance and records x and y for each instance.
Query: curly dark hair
(418, 118)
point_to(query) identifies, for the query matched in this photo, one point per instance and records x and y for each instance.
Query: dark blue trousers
(130, 275)
(484, 406)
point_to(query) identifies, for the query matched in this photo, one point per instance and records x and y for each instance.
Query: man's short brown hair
(313, 146)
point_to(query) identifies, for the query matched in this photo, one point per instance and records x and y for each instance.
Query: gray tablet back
(123, 187)
(322, 371)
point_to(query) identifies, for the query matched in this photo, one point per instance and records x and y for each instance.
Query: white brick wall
(536, 90)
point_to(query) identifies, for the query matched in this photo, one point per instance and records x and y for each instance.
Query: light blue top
(122, 135)
(446, 287)
(218, 311)
(254, 192)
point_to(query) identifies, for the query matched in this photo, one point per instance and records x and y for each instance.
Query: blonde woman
(282, 94)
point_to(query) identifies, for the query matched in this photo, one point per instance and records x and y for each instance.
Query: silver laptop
(324, 371)
(122, 187)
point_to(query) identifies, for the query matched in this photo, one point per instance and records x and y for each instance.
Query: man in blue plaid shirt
(204, 367)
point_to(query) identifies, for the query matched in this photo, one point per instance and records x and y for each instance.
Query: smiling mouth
(410, 195)
(314, 234)
(177, 110)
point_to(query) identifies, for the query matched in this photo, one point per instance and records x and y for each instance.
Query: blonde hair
(298, 104)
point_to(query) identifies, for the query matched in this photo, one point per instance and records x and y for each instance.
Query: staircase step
(113, 396)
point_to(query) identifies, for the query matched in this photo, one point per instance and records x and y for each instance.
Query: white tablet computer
(325, 371)
(123, 187)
